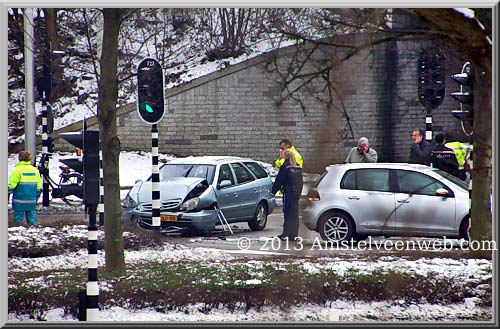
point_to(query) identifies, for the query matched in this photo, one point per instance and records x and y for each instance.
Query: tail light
(313, 195)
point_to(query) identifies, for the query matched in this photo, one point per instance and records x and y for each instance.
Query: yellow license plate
(168, 218)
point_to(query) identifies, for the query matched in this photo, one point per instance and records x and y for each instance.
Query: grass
(177, 286)
(283, 282)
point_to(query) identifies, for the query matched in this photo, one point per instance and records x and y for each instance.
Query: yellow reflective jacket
(298, 159)
(26, 183)
(460, 151)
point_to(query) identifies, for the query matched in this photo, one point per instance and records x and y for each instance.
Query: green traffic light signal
(150, 98)
(147, 107)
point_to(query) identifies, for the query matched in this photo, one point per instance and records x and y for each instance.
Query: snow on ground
(136, 165)
(338, 311)
(454, 269)
(461, 270)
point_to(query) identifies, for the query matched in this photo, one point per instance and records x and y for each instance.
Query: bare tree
(227, 32)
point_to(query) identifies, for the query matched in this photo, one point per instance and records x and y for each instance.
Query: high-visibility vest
(298, 159)
(460, 151)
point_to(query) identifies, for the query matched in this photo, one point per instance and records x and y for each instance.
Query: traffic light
(431, 78)
(150, 100)
(45, 79)
(87, 140)
(465, 96)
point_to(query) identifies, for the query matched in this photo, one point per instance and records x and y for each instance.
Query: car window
(349, 180)
(256, 169)
(243, 175)
(373, 179)
(452, 178)
(416, 183)
(187, 170)
(366, 179)
(225, 174)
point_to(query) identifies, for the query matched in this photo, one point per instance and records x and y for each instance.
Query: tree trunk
(110, 143)
(51, 21)
(53, 40)
(481, 217)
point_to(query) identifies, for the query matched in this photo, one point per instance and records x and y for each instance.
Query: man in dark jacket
(443, 157)
(289, 181)
(421, 149)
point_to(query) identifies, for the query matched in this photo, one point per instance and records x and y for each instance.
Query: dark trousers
(291, 214)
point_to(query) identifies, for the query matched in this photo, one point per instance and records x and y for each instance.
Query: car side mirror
(442, 192)
(225, 183)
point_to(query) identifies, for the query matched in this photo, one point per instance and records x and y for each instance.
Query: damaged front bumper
(203, 221)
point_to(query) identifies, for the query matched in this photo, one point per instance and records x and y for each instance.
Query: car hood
(174, 188)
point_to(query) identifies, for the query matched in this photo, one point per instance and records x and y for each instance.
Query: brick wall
(240, 110)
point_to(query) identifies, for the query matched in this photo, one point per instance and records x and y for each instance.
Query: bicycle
(70, 186)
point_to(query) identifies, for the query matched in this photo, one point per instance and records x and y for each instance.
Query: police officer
(284, 145)
(289, 180)
(443, 157)
(25, 183)
(460, 150)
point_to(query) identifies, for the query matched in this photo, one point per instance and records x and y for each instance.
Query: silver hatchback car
(353, 201)
(195, 190)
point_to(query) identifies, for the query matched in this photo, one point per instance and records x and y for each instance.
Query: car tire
(336, 226)
(463, 231)
(259, 220)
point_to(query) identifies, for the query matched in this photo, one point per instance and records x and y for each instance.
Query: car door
(227, 196)
(248, 189)
(418, 208)
(369, 197)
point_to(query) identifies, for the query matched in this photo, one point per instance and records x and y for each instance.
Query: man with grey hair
(362, 153)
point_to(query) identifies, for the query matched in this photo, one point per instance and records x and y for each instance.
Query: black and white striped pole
(100, 206)
(151, 108)
(155, 178)
(45, 151)
(89, 142)
(428, 125)
(92, 301)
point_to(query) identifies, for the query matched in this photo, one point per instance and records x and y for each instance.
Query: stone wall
(241, 110)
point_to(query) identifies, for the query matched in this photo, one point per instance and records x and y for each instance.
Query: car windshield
(453, 179)
(187, 170)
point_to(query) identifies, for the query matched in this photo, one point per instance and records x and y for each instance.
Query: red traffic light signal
(150, 99)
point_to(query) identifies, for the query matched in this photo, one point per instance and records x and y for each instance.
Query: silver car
(195, 191)
(353, 201)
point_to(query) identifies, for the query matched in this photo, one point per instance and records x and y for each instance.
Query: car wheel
(464, 229)
(336, 226)
(259, 220)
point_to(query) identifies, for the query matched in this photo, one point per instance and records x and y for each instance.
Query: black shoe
(281, 236)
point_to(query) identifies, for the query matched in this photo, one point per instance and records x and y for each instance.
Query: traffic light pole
(151, 108)
(428, 125)
(92, 301)
(46, 148)
(100, 207)
(155, 178)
